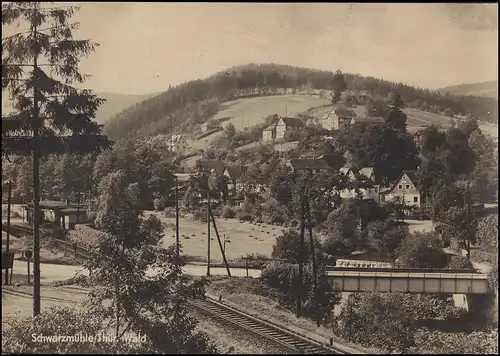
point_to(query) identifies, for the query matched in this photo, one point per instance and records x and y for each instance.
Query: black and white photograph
(249, 178)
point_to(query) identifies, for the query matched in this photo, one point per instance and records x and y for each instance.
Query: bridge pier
(461, 301)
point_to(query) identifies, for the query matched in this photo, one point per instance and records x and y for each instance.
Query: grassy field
(245, 238)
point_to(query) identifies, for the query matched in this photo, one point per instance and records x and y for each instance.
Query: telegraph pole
(468, 220)
(208, 232)
(9, 197)
(301, 263)
(177, 241)
(36, 179)
(314, 267)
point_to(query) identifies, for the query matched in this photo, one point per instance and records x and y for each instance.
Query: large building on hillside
(287, 124)
(339, 117)
(277, 130)
(177, 144)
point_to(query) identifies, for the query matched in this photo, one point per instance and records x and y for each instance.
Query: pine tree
(339, 86)
(39, 70)
(397, 118)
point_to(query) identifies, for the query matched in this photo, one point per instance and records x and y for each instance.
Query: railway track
(279, 335)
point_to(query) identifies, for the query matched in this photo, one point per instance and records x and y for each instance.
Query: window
(400, 186)
(407, 186)
(415, 199)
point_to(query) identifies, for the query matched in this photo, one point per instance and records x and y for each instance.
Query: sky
(145, 47)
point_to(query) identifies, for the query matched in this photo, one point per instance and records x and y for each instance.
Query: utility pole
(36, 178)
(301, 263)
(33, 141)
(469, 217)
(9, 197)
(208, 232)
(177, 241)
(314, 267)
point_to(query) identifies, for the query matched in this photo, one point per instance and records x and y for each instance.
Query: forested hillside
(486, 89)
(167, 110)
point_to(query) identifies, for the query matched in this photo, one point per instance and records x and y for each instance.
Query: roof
(334, 160)
(55, 204)
(175, 138)
(343, 112)
(270, 127)
(82, 210)
(292, 121)
(412, 175)
(298, 163)
(366, 171)
(369, 120)
(236, 172)
(216, 165)
(182, 176)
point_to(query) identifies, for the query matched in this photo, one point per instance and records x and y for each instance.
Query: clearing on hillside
(247, 112)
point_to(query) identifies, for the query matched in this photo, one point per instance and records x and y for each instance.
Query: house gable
(406, 184)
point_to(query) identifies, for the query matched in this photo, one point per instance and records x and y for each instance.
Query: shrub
(460, 262)
(336, 247)
(200, 215)
(17, 335)
(435, 342)
(284, 278)
(159, 204)
(287, 247)
(244, 215)
(377, 320)
(85, 236)
(421, 250)
(228, 212)
(487, 232)
(273, 212)
(493, 278)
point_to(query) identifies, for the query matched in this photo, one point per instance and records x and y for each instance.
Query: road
(52, 273)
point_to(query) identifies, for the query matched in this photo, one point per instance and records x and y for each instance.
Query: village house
(287, 124)
(235, 176)
(311, 165)
(339, 117)
(177, 144)
(64, 214)
(334, 160)
(405, 190)
(217, 167)
(269, 133)
(354, 175)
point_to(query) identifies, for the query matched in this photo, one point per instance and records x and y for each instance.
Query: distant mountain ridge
(487, 89)
(114, 104)
(183, 107)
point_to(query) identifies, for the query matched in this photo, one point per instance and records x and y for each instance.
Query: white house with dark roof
(369, 192)
(269, 133)
(339, 117)
(177, 144)
(405, 190)
(287, 124)
(235, 175)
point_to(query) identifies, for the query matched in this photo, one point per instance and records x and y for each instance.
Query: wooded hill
(186, 105)
(486, 89)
